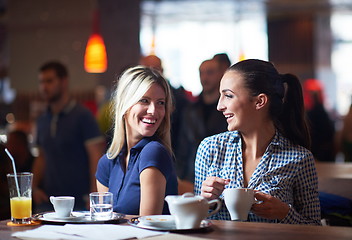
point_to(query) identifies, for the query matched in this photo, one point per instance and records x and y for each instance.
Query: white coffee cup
(63, 205)
(190, 210)
(238, 202)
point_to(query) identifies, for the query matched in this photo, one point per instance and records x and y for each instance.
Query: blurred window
(187, 32)
(342, 58)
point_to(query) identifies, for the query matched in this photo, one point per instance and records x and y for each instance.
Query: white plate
(158, 221)
(52, 216)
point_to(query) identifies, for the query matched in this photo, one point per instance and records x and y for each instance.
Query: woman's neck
(254, 143)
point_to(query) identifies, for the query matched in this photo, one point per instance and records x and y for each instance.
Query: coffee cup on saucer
(190, 210)
(63, 205)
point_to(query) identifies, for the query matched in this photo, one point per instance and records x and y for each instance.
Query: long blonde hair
(131, 86)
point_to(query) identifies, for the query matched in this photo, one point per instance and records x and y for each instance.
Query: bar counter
(234, 230)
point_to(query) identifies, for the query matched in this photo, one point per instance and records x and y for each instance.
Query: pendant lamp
(95, 58)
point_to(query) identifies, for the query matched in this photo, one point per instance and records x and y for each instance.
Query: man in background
(179, 97)
(200, 119)
(223, 60)
(69, 142)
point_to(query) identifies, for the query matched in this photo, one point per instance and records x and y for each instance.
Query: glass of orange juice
(20, 187)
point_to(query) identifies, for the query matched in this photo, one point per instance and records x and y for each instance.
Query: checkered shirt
(286, 171)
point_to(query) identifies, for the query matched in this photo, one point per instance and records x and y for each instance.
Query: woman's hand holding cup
(269, 207)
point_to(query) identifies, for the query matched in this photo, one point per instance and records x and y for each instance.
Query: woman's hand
(212, 187)
(270, 207)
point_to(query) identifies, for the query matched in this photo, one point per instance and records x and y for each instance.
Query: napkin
(86, 231)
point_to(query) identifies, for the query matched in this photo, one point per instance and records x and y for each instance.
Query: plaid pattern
(285, 171)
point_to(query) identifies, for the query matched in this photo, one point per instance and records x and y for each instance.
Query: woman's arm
(153, 185)
(306, 205)
(201, 166)
(101, 187)
(95, 150)
(297, 203)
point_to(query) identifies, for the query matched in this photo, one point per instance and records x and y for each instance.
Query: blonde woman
(138, 167)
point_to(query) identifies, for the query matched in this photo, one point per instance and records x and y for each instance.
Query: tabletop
(334, 170)
(335, 178)
(234, 230)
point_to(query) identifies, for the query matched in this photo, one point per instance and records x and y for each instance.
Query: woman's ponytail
(292, 118)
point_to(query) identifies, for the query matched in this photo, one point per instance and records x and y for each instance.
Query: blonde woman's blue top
(286, 171)
(125, 184)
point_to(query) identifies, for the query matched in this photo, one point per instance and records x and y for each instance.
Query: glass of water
(101, 205)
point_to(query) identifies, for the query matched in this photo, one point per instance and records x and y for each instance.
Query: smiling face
(144, 118)
(237, 105)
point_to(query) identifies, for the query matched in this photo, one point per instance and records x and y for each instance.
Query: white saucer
(166, 224)
(52, 216)
(158, 221)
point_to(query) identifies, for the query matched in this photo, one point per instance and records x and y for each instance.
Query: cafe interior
(310, 38)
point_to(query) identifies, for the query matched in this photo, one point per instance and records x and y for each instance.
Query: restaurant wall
(41, 30)
(301, 43)
(45, 30)
(291, 44)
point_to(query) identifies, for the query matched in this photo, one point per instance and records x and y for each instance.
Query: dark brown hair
(59, 68)
(286, 104)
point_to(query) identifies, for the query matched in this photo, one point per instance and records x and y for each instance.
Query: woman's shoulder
(155, 147)
(104, 168)
(221, 138)
(105, 160)
(219, 143)
(285, 146)
(155, 154)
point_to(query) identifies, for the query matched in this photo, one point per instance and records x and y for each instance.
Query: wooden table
(236, 230)
(335, 178)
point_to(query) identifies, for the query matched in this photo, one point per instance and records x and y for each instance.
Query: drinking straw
(14, 171)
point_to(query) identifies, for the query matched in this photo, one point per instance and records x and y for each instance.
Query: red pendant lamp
(95, 58)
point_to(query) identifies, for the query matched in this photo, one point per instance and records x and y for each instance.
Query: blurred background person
(152, 61)
(69, 143)
(18, 145)
(105, 119)
(346, 135)
(200, 119)
(321, 126)
(5, 168)
(223, 60)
